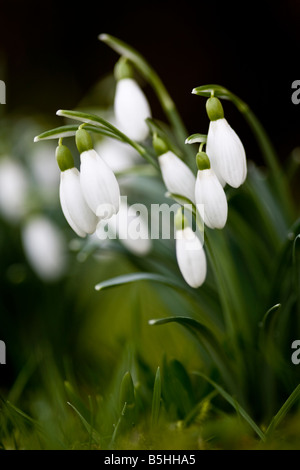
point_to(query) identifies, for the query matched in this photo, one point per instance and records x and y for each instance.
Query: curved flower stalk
(131, 106)
(224, 147)
(76, 211)
(99, 185)
(190, 254)
(210, 194)
(177, 176)
(45, 248)
(14, 190)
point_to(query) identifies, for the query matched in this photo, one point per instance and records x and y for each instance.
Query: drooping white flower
(211, 196)
(99, 185)
(45, 248)
(75, 209)
(177, 176)
(131, 108)
(227, 153)
(224, 147)
(191, 257)
(14, 189)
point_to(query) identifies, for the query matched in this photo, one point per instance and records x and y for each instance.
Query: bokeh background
(50, 59)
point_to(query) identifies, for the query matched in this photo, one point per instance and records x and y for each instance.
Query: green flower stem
(98, 121)
(231, 321)
(227, 310)
(154, 80)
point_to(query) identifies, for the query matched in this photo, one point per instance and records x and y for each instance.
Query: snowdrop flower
(76, 211)
(118, 155)
(45, 248)
(99, 185)
(190, 254)
(14, 189)
(131, 106)
(130, 225)
(210, 194)
(177, 176)
(224, 147)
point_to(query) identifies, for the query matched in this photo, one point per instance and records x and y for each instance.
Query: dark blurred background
(52, 55)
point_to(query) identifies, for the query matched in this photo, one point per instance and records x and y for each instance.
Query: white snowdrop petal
(177, 176)
(75, 209)
(227, 154)
(44, 247)
(210, 151)
(131, 108)
(99, 184)
(191, 257)
(210, 194)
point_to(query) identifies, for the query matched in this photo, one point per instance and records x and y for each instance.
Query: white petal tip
(59, 112)
(151, 322)
(194, 91)
(36, 139)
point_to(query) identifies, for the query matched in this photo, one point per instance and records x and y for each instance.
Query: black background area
(52, 56)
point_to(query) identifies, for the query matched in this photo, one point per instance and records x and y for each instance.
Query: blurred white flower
(177, 176)
(45, 248)
(14, 189)
(131, 108)
(226, 153)
(191, 257)
(75, 209)
(44, 167)
(118, 155)
(130, 226)
(211, 196)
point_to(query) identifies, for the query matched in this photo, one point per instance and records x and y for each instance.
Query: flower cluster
(223, 162)
(91, 196)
